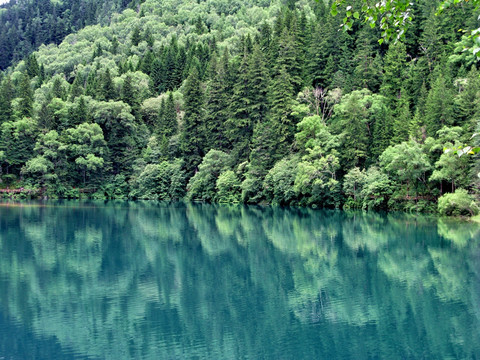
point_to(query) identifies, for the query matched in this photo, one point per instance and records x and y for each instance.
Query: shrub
(459, 203)
(228, 188)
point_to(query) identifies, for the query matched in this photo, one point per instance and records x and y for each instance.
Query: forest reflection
(146, 280)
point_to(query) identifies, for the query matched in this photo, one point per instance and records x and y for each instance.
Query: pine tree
(136, 37)
(216, 107)
(467, 102)
(403, 119)
(32, 66)
(7, 93)
(57, 89)
(319, 53)
(146, 65)
(25, 94)
(115, 45)
(239, 125)
(80, 113)
(288, 59)
(280, 113)
(179, 67)
(394, 72)
(76, 89)
(417, 128)
(258, 83)
(170, 116)
(91, 85)
(108, 90)
(170, 68)
(160, 124)
(439, 106)
(193, 136)
(158, 76)
(367, 62)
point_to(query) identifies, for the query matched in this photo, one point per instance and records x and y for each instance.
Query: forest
(252, 101)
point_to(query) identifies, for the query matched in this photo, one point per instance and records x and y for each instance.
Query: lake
(146, 280)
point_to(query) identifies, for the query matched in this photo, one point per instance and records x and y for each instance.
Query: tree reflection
(150, 280)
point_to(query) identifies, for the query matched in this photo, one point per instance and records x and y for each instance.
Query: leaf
(356, 15)
(380, 41)
(334, 10)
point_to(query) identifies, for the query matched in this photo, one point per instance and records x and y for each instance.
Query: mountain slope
(254, 101)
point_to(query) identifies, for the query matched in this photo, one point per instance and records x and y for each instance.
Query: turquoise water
(94, 280)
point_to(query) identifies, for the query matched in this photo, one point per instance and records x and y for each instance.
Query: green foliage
(202, 186)
(193, 138)
(297, 112)
(164, 181)
(459, 203)
(376, 190)
(357, 117)
(280, 180)
(353, 184)
(406, 162)
(228, 188)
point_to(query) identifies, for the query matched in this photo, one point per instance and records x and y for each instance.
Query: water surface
(126, 280)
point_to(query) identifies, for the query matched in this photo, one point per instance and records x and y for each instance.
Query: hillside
(27, 24)
(252, 101)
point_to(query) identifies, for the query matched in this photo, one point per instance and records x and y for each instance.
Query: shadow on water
(155, 280)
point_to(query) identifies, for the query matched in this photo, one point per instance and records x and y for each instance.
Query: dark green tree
(25, 93)
(7, 93)
(193, 136)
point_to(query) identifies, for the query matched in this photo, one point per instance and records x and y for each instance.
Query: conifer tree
(158, 76)
(280, 112)
(467, 102)
(367, 62)
(417, 128)
(7, 93)
(393, 72)
(193, 137)
(108, 90)
(239, 125)
(402, 120)
(25, 94)
(170, 116)
(115, 45)
(81, 113)
(76, 89)
(318, 55)
(216, 107)
(91, 85)
(57, 89)
(135, 37)
(439, 105)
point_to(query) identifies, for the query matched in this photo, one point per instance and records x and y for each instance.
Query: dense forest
(27, 24)
(254, 101)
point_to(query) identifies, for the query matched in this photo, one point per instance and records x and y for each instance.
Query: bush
(279, 182)
(228, 188)
(202, 185)
(164, 181)
(459, 203)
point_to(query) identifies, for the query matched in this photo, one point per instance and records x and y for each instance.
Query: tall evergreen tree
(7, 93)
(25, 94)
(217, 106)
(394, 72)
(439, 105)
(108, 90)
(193, 136)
